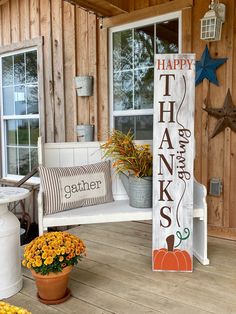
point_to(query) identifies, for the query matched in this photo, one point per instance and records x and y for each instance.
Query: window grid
(154, 21)
(28, 117)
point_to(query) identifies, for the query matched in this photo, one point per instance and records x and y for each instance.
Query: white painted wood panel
(173, 147)
(80, 156)
(66, 157)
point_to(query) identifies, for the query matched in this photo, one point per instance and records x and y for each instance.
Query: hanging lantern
(211, 23)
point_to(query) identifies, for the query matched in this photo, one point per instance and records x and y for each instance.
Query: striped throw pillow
(72, 187)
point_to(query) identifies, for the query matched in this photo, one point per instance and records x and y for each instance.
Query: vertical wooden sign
(173, 155)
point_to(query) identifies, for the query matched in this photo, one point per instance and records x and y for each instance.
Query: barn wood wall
(70, 48)
(74, 44)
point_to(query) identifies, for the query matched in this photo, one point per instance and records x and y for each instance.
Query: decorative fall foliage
(128, 156)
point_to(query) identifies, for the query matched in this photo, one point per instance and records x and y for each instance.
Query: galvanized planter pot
(139, 190)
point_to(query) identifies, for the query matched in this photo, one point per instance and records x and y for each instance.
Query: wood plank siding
(74, 44)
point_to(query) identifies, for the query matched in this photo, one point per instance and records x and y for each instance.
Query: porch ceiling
(103, 8)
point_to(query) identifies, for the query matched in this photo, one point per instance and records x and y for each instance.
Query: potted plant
(134, 164)
(50, 258)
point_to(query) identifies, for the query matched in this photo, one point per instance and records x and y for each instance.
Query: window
(132, 51)
(19, 112)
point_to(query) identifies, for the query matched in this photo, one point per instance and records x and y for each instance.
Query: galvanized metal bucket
(85, 132)
(84, 85)
(139, 190)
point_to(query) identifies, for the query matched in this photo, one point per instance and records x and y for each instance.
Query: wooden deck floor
(116, 277)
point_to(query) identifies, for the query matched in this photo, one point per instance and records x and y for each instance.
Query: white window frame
(140, 23)
(4, 118)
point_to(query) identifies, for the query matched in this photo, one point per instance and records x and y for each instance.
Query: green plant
(128, 156)
(52, 252)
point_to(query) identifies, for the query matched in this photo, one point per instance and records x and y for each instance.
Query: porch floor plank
(116, 277)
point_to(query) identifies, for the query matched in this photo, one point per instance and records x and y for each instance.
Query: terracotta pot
(53, 287)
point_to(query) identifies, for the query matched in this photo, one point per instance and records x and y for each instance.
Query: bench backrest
(77, 154)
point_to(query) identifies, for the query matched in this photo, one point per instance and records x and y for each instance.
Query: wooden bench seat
(77, 154)
(108, 212)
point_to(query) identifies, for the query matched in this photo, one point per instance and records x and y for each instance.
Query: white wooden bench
(82, 153)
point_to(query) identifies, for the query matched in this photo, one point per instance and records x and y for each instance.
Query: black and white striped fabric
(72, 187)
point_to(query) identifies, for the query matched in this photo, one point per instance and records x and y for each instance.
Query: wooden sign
(173, 155)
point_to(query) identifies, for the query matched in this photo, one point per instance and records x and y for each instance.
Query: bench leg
(200, 240)
(42, 229)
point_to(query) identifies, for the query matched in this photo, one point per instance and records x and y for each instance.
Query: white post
(173, 151)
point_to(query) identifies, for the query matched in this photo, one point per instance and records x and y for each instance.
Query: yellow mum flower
(52, 248)
(40, 245)
(49, 260)
(38, 263)
(44, 255)
(63, 250)
(6, 308)
(68, 249)
(24, 263)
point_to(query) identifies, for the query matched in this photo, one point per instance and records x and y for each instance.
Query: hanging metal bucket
(84, 85)
(85, 132)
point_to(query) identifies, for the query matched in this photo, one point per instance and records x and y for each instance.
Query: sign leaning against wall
(173, 154)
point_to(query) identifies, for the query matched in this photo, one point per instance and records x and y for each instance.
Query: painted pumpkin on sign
(171, 259)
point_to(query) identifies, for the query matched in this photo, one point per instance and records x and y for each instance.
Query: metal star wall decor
(226, 115)
(206, 68)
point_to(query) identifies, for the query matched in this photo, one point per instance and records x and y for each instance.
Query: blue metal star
(206, 67)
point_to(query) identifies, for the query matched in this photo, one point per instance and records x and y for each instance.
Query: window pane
(8, 101)
(144, 127)
(143, 88)
(23, 161)
(19, 69)
(11, 132)
(7, 71)
(20, 97)
(144, 46)
(122, 50)
(34, 157)
(123, 90)
(32, 99)
(23, 132)
(20, 103)
(31, 67)
(141, 126)
(167, 37)
(124, 124)
(12, 160)
(34, 131)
